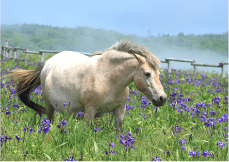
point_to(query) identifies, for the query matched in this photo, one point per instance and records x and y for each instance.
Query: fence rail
(7, 51)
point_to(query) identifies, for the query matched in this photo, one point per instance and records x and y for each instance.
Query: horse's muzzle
(160, 101)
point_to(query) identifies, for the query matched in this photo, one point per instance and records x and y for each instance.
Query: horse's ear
(141, 59)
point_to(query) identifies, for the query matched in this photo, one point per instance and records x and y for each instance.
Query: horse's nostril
(162, 99)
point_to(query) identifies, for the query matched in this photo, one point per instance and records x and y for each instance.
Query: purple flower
(30, 128)
(106, 152)
(156, 159)
(18, 138)
(112, 144)
(63, 130)
(183, 148)
(95, 129)
(182, 142)
(221, 144)
(2, 138)
(127, 140)
(211, 154)
(205, 153)
(79, 113)
(25, 128)
(70, 159)
(64, 122)
(193, 153)
(26, 153)
(44, 126)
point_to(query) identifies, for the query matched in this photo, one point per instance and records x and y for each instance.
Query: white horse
(95, 85)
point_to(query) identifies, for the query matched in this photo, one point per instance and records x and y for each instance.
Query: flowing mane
(126, 46)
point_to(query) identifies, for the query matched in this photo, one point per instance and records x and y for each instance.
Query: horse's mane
(126, 46)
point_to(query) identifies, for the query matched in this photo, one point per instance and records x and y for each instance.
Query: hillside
(87, 39)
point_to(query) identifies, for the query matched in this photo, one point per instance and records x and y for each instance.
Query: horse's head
(146, 79)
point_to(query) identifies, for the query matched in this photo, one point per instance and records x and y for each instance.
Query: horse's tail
(28, 79)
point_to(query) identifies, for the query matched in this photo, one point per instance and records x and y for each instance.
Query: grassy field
(191, 126)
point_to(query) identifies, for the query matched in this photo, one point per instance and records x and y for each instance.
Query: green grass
(152, 139)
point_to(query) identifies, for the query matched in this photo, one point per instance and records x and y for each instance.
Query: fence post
(26, 55)
(15, 53)
(9, 53)
(194, 67)
(4, 49)
(169, 66)
(222, 68)
(42, 56)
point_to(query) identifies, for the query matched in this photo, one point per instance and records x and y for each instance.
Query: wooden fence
(7, 52)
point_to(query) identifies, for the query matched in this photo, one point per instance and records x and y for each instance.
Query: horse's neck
(121, 70)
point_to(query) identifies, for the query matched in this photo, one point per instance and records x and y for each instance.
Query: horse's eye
(147, 74)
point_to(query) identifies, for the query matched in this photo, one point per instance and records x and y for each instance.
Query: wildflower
(64, 130)
(44, 126)
(202, 118)
(29, 127)
(205, 153)
(70, 159)
(95, 129)
(26, 154)
(18, 138)
(127, 141)
(106, 152)
(221, 144)
(227, 139)
(2, 138)
(64, 122)
(192, 153)
(156, 159)
(211, 154)
(79, 113)
(182, 142)
(168, 152)
(81, 157)
(183, 148)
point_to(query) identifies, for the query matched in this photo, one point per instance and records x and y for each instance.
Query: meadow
(191, 126)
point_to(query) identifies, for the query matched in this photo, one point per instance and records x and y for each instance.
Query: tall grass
(194, 119)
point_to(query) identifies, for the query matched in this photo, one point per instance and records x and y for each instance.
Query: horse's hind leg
(50, 111)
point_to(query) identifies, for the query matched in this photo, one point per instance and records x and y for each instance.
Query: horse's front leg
(89, 114)
(119, 113)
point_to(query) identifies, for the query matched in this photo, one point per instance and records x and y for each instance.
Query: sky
(140, 17)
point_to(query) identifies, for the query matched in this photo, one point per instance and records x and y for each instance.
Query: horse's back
(67, 57)
(64, 64)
